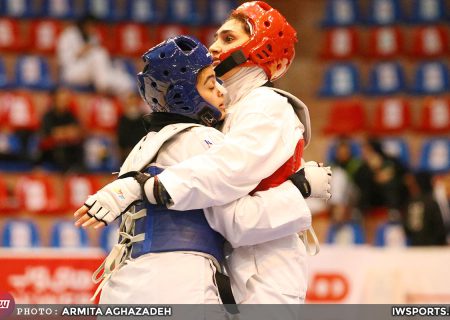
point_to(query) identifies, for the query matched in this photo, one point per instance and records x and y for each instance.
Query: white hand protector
(114, 199)
(319, 179)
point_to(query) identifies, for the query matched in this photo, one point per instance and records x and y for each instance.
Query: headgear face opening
(168, 80)
(271, 45)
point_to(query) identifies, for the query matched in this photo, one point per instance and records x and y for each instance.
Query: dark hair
(241, 18)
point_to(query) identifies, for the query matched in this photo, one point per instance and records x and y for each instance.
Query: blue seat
(339, 13)
(109, 236)
(427, 11)
(4, 81)
(340, 80)
(18, 9)
(355, 151)
(100, 154)
(386, 78)
(431, 78)
(65, 235)
(59, 9)
(12, 151)
(142, 11)
(182, 12)
(348, 233)
(105, 10)
(33, 72)
(217, 11)
(435, 155)
(397, 148)
(390, 234)
(384, 12)
(20, 233)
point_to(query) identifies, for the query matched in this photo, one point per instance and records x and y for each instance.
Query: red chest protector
(289, 167)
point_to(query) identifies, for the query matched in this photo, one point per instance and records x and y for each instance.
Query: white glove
(114, 199)
(319, 179)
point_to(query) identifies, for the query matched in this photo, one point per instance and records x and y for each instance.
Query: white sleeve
(265, 216)
(255, 147)
(68, 45)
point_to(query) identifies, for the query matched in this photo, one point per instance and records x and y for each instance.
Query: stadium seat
(181, 12)
(340, 80)
(19, 111)
(77, 188)
(64, 234)
(164, 32)
(435, 116)
(60, 9)
(105, 10)
(100, 154)
(344, 234)
(44, 35)
(20, 233)
(391, 116)
(7, 203)
(127, 65)
(105, 37)
(340, 13)
(4, 81)
(141, 11)
(384, 12)
(103, 113)
(386, 78)
(427, 11)
(355, 151)
(132, 39)
(390, 234)
(397, 148)
(346, 117)
(435, 155)
(429, 42)
(10, 39)
(340, 43)
(33, 72)
(21, 9)
(217, 11)
(431, 78)
(385, 42)
(36, 194)
(109, 236)
(206, 35)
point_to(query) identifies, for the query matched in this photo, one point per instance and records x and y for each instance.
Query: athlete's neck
(241, 83)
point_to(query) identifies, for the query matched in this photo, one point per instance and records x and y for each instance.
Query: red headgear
(271, 43)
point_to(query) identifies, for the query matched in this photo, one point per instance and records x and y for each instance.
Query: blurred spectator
(388, 177)
(61, 134)
(441, 192)
(131, 128)
(423, 219)
(85, 62)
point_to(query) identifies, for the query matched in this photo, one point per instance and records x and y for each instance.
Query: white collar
(244, 81)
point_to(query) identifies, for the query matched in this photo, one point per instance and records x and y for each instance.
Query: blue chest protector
(169, 230)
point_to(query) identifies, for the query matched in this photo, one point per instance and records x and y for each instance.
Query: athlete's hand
(319, 178)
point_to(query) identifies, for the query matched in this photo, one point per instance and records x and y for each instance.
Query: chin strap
(235, 59)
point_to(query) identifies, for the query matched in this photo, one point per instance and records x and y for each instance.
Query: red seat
(78, 188)
(385, 42)
(105, 37)
(340, 43)
(44, 35)
(9, 35)
(7, 204)
(391, 116)
(36, 194)
(168, 31)
(207, 35)
(346, 117)
(132, 39)
(103, 113)
(429, 42)
(19, 111)
(435, 116)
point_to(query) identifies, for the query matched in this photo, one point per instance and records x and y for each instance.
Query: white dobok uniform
(261, 133)
(92, 67)
(188, 277)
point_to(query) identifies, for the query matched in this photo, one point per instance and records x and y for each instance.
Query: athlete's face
(208, 88)
(231, 34)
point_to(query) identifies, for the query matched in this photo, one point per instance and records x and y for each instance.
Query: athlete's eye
(229, 39)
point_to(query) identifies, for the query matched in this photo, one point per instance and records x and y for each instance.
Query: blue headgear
(168, 81)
